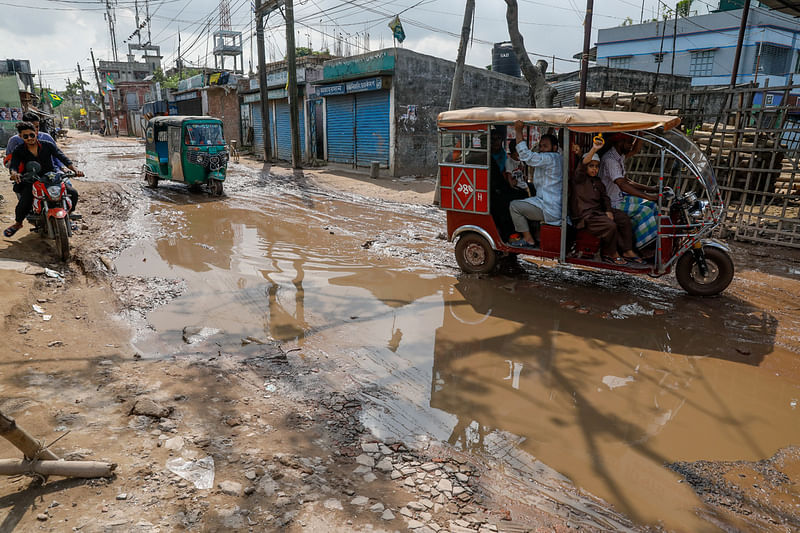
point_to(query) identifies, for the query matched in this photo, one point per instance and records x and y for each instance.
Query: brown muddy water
(603, 378)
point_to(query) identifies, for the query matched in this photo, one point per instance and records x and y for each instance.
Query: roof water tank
(504, 60)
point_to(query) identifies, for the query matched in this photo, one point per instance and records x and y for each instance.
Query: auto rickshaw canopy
(581, 120)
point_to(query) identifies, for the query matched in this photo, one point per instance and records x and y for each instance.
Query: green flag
(55, 100)
(397, 29)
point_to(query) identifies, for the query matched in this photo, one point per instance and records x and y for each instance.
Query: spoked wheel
(720, 272)
(216, 187)
(474, 254)
(62, 238)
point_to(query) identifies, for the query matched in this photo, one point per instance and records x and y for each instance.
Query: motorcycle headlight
(54, 191)
(698, 209)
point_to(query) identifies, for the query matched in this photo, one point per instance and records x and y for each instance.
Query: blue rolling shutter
(340, 128)
(285, 131)
(372, 128)
(258, 131)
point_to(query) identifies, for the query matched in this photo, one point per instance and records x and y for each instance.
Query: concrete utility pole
(458, 77)
(587, 41)
(742, 28)
(100, 91)
(262, 78)
(83, 94)
(291, 65)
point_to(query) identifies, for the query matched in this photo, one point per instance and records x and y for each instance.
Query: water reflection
(608, 401)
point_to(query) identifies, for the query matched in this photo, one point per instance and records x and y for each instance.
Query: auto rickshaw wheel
(720, 272)
(151, 179)
(216, 187)
(475, 255)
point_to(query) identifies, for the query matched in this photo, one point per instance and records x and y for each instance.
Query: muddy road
(306, 321)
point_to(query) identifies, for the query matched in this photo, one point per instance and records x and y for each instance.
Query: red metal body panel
(58, 212)
(464, 188)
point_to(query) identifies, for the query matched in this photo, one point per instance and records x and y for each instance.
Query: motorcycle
(51, 206)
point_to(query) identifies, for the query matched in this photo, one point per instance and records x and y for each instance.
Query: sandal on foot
(619, 260)
(521, 243)
(10, 231)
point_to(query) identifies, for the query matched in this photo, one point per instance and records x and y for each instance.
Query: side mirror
(33, 167)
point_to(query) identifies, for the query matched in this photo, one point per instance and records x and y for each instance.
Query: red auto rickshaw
(686, 217)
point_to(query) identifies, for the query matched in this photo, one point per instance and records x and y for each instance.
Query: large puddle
(603, 378)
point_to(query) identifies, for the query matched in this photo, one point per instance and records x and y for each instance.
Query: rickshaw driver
(547, 177)
(636, 200)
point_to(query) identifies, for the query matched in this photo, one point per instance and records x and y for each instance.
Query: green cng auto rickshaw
(187, 149)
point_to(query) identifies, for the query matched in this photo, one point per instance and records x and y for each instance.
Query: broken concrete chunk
(148, 407)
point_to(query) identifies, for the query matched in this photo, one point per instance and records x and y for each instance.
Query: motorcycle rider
(42, 152)
(16, 141)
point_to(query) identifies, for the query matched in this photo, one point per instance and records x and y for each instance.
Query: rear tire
(475, 255)
(151, 179)
(720, 272)
(62, 238)
(216, 187)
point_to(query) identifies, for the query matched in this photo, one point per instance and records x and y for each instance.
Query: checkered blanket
(643, 217)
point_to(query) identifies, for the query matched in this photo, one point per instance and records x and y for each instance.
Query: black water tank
(504, 60)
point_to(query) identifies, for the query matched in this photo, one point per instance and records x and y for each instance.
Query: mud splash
(603, 378)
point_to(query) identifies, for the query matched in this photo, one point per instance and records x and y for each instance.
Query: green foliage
(682, 7)
(301, 51)
(627, 22)
(171, 82)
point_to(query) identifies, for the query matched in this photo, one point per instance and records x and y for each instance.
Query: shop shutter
(340, 127)
(284, 133)
(372, 128)
(258, 131)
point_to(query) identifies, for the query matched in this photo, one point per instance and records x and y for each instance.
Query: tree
(683, 7)
(542, 93)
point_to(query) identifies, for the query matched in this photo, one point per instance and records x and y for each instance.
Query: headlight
(54, 191)
(698, 209)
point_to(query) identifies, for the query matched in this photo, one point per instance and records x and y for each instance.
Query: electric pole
(458, 77)
(739, 42)
(100, 91)
(83, 95)
(111, 18)
(587, 41)
(291, 65)
(262, 73)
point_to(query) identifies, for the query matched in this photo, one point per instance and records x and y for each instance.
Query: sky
(56, 35)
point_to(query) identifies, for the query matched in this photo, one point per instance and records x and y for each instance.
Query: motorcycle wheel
(720, 272)
(62, 238)
(474, 254)
(216, 187)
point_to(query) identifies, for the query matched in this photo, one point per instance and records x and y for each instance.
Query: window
(797, 64)
(771, 59)
(702, 63)
(658, 57)
(619, 62)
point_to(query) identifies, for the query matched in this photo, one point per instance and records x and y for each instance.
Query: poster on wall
(10, 108)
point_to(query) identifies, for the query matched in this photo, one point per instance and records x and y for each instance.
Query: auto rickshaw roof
(177, 120)
(583, 120)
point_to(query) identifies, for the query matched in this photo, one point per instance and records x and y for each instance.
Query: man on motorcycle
(42, 152)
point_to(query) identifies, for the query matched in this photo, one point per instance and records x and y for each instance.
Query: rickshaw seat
(161, 150)
(586, 244)
(550, 238)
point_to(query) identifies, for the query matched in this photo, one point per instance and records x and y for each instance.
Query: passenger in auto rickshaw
(590, 208)
(502, 191)
(547, 179)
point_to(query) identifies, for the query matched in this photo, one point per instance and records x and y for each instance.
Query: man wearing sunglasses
(42, 152)
(16, 140)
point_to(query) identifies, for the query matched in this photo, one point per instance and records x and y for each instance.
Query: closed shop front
(283, 130)
(358, 122)
(258, 130)
(189, 103)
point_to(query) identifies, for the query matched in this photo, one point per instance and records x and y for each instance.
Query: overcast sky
(56, 35)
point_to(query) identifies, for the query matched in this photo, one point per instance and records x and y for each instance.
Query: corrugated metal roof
(566, 93)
